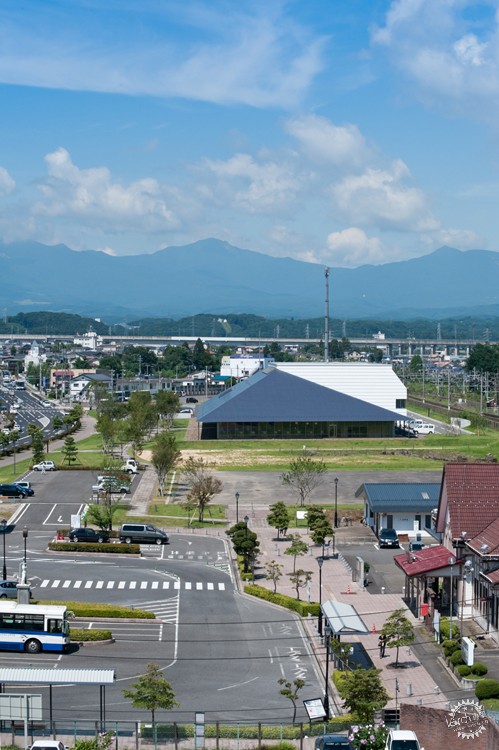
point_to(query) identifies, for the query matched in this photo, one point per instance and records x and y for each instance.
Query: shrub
(445, 629)
(339, 679)
(120, 549)
(92, 609)
(487, 689)
(450, 646)
(84, 634)
(479, 668)
(456, 658)
(463, 670)
(302, 608)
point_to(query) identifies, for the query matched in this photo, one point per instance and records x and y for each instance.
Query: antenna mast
(326, 317)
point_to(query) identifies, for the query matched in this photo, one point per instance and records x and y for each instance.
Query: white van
(425, 429)
(414, 424)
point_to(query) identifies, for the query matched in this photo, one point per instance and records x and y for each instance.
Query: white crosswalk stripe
(134, 585)
(164, 609)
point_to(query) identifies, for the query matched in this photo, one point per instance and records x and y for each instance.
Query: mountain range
(214, 277)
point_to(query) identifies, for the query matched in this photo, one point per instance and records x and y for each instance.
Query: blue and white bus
(33, 627)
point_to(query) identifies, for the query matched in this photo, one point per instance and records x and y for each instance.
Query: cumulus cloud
(352, 247)
(451, 52)
(462, 239)
(380, 197)
(325, 142)
(254, 186)
(93, 195)
(7, 184)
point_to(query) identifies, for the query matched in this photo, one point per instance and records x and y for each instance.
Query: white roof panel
(22, 676)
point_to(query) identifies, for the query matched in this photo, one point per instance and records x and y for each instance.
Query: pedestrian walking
(382, 645)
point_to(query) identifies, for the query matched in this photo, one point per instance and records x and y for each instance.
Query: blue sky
(341, 132)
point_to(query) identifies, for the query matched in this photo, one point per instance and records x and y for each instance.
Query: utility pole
(326, 317)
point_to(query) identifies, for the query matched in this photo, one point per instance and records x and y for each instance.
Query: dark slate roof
(274, 396)
(472, 492)
(397, 496)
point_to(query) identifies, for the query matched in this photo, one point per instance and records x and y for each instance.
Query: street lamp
(452, 562)
(246, 554)
(336, 503)
(237, 507)
(327, 633)
(320, 562)
(25, 537)
(3, 523)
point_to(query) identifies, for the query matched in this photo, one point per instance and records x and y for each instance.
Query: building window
(400, 403)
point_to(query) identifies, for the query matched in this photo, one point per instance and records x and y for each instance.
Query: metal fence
(125, 735)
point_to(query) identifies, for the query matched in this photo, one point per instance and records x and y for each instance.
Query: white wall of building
(372, 382)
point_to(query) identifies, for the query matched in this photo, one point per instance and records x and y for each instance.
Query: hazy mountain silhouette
(210, 275)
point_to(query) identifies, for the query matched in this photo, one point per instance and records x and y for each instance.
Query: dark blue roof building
(275, 404)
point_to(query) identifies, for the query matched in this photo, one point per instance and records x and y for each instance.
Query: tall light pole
(3, 523)
(25, 538)
(327, 633)
(320, 562)
(452, 562)
(336, 502)
(237, 506)
(246, 555)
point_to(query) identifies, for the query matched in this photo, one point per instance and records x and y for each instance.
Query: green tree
(290, 690)
(37, 445)
(297, 548)
(164, 456)
(304, 476)
(167, 405)
(416, 364)
(152, 691)
(484, 358)
(245, 542)
(278, 518)
(70, 451)
(321, 530)
(274, 573)
(398, 630)
(203, 486)
(299, 579)
(102, 515)
(364, 693)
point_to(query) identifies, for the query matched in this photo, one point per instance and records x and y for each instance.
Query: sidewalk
(423, 680)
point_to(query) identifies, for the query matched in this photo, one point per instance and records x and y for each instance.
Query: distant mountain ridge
(211, 275)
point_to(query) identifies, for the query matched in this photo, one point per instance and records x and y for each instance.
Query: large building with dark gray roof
(276, 404)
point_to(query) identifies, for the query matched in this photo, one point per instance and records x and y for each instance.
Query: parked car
(111, 484)
(333, 742)
(26, 488)
(8, 590)
(45, 466)
(191, 400)
(12, 490)
(130, 466)
(142, 533)
(402, 739)
(388, 538)
(186, 410)
(88, 535)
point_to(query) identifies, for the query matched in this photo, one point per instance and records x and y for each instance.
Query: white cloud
(450, 51)
(7, 184)
(255, 187)
(244, 52)
(325, 142)
(352, 247)
(462, 239)
(92, 195)
(379, 197)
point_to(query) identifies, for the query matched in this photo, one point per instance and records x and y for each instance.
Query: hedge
(339, 679)
(479, 668)
(249, 731)
(449, 646)
(87, 634)
(445, 630)
(463, 670)
(302, 608)
(487, 689)
(121, 549)
(94, 609)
